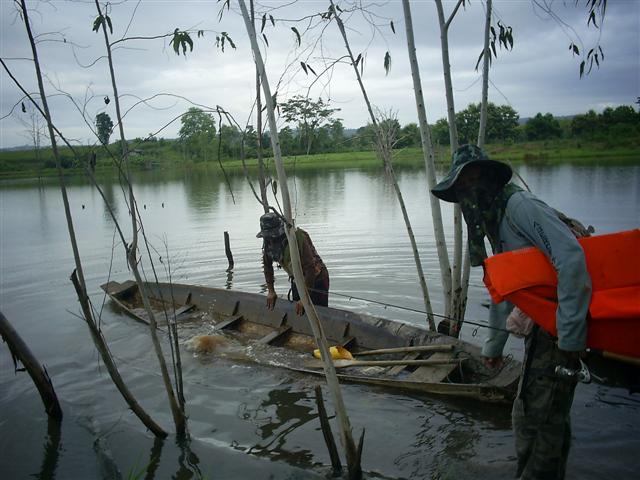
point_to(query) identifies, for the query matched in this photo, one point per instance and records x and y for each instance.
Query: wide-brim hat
(271, 226)
(464, 156)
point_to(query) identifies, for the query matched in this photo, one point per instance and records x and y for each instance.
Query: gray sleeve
(497, 335)
(541, 226)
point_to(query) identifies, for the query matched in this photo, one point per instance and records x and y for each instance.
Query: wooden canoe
(456, 371)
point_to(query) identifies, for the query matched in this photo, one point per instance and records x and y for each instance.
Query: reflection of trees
(280, 414)
(109, 190)
(202, 189)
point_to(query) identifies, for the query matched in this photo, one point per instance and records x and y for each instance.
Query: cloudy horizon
(538, 75)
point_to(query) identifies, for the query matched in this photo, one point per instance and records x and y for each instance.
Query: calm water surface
(249, 421)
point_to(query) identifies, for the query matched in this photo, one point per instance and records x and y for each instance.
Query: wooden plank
(433, 374)
(393, 371)
(276, 335)
(184, 309)
(348, 342)
(315, 363)
(415, 348)
(229, 323)
(118, 289)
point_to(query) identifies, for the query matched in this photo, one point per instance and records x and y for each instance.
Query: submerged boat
(386, 353)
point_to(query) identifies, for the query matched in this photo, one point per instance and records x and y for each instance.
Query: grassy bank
(28, 164)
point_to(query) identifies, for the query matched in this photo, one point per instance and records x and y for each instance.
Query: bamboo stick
(381, 363)
(415, 348)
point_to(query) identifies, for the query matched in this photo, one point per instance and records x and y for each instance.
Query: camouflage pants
(541, 411)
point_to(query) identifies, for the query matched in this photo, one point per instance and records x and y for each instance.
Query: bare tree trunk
(20, 351)
(453, 308)
(332, 380)
(386, 158)
(485, 76)
(428, 153)
(261, 172)
(466, 268)
(132, 257)
(78, 277)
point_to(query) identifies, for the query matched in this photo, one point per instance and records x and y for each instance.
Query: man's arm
(267, 266)
(497, 335)
(542, 227)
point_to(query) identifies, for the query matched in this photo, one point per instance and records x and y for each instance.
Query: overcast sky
(538, 75)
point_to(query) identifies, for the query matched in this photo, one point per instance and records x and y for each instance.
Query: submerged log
(20, 352)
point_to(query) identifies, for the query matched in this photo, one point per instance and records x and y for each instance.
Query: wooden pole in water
(20, 351)
(348, 444)
(227, 250)
(328, 435)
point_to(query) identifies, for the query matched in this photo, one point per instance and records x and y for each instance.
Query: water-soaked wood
(20, 351)
(227, 251)
(276, 335)
(230, 323)
(365, 333)
(328, 434)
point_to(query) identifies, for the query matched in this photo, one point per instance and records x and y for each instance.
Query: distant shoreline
(14, 165)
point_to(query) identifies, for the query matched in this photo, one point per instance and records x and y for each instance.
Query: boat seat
(348, 342)
(393, 371)
(434, 373)
(119, 289)
(184, 309)
(229, 323)
(276, 335)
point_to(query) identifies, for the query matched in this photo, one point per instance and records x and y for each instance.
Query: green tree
(440, 132)
(197, 132)
(586, 125)
(308, 116)
(336, 132)
(542, 127)
(104, 125)
(502, 123)
(409, 136)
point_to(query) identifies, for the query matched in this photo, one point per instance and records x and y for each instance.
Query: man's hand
(299, 308)
(493, 362)
(271, 299)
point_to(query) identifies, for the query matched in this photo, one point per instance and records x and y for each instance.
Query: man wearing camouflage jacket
(511, 219)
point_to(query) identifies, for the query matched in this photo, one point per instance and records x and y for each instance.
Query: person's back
(276, 248)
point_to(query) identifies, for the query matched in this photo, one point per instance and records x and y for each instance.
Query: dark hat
(467, 155)
(271, 226)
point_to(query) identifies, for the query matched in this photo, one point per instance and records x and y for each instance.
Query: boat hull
(245, 317)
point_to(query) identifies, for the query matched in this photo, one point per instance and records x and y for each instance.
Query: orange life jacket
(527, 279)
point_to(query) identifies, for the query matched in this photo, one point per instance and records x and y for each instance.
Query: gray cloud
(538, 75)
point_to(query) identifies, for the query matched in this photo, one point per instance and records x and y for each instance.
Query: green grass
(25, 163)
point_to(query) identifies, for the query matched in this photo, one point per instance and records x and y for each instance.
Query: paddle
(380, 363)
(415, 348)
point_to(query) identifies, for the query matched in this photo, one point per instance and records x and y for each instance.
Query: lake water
(250, 421)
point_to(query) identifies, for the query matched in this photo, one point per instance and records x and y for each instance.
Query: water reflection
(279, 415)
(154, 458)
(228, 284)
(188, 461)
(51, 450)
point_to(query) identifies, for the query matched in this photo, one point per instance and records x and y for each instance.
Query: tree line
(310, 127)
